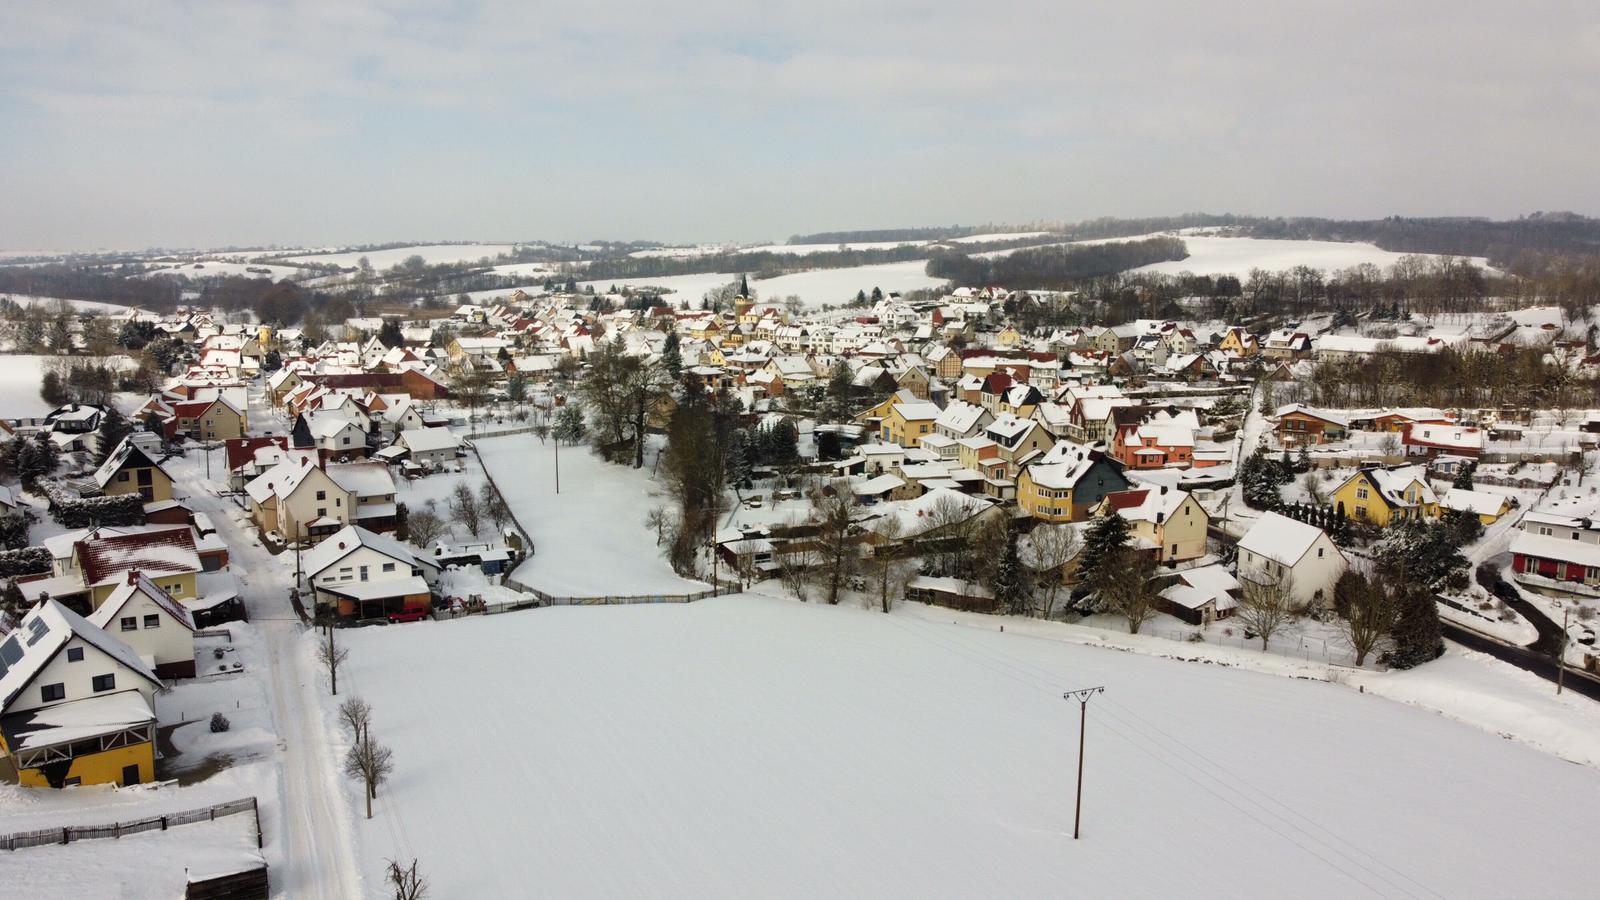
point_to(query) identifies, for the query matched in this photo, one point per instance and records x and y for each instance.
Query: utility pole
(1082, 695)
(333, 666)
(1561, 651)
(558, 465)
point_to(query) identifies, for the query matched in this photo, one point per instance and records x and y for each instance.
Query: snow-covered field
(591, 540)
(1210, 255)
(88, 306)
(215, 268)
(20, 376)
(431, 253)
(692, 288)
(838, 286)
(748, 746)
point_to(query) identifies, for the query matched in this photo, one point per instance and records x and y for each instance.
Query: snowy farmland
(748, 746)
(430, 253)
(814, 287)
(1210, 255)
(591, 539)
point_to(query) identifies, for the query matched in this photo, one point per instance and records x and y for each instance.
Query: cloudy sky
(148, 123)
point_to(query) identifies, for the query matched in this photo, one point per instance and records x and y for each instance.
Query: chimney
(1159, 517)
(133, 576)
(1163, 489)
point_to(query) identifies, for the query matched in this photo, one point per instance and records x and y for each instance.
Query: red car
(408, 616)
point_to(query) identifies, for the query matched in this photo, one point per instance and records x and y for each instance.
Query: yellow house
(907, 423)
(1008, 337)
(166, 556)
(1383, 496)
(1164, 519)
(213, 420)
(129, 470)
(1067, 483)
(1487, 507)
(77, 706)
(1239, 341)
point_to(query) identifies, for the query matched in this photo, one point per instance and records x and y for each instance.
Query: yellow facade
(180, 587)
(1362, 501)
(897, 429)
(1044, 504)
(103, 767)
(134, 479)
(1240, 342)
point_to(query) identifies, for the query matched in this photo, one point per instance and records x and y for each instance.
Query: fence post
(163, 823)
(66, 835)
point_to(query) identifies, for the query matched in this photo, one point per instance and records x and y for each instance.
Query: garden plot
(590, 540)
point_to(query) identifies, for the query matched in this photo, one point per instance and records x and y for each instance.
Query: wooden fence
(68, 834)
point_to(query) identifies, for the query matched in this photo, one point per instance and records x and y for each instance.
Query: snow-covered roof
(347, 540)
(1280, 538)
(166, 551)
(137, 583)
(363, 479)
(424, 440)
(1476, 502)
(126, 453)
(1153, 504)
(43, 632)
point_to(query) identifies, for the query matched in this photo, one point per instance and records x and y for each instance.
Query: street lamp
(1082, 695)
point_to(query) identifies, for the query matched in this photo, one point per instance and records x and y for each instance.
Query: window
(1174, 549)
(50, 693)
(74, 654)
(130, 623)
(1319, 552)
(322, 511)
(1361, 493)
(122, 476)
(103, 683)
(152, 621)
(363, 573)
(322, 495)
(388, 567)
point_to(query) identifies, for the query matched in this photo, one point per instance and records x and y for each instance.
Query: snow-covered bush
(219, 723)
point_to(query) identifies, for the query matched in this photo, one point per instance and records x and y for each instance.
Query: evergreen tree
(52, 390)
(114, 426)
(828, 446)
(1007, 578)
(570, 426)
(1416, 634)
(861, 298)
(737, 459)
(1464, 475)
(672, 357)
(877, 294)
(1303, 459)
(13, 606)
(60, 335)
(840, 388)
(49, 453)
(783, 442)
(1101, 545)
(272, 361)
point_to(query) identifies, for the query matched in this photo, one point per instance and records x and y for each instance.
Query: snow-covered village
(1064, 553)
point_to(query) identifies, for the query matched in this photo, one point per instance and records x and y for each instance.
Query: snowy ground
(211, 268)
(839, 286)
(87, 306)
(803, 750)
(431, 253)
(1210, 255)
(20, 377)
(590, 539)
(692, 288)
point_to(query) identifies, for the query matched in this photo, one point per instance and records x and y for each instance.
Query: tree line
(1053, 268)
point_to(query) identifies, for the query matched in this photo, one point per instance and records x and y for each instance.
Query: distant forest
(1054, 268)
(893, 234)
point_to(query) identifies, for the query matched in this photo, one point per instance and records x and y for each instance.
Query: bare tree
(794, 572)
(887, 567)
(332, 657)
(493, 506)
(407, 882)
(1050, 549)
(1125, 587)
(1366, 613)
(1389, 444)
(837, 547)
(371, 763)
(951, 524)
(1313, 487)
(425, 527)
(465, 509)
(1266, 604)
(356, 715)
(658, 520)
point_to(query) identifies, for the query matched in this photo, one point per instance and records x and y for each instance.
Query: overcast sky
(149, 123)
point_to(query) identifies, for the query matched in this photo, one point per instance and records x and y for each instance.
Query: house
(373, 489)
(158, 628)
(1019, 441)
(363, 575)
(166, 556)
(1487, 507)
(1383, 495)
(298, 500)
(1430, 440)
(1298, 425)
(209, 420)
(77, 706)
(1239, 342)
(1163, 519)
(429, 446)
(1067, 482)
(129, 469)
(1302, 556)
(907, 422)
(1199, 596)
(336, 433)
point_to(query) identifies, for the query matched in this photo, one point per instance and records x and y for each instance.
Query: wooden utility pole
(1082, 695)
(1561, 651)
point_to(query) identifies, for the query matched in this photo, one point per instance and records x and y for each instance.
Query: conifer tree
(1416, 634)
(114, 426)
(1101, 545)
(672, 357)
(1007, 578)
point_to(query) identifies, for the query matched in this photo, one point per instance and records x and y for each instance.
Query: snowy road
(316, 827)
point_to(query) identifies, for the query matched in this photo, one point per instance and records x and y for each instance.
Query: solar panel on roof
(36, 630)
(10, 652)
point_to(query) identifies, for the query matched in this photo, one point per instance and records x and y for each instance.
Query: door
(130, 775)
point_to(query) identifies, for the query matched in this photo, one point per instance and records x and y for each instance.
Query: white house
(1278, 547)
(429, 446)
(364, 574)
(158, 628)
